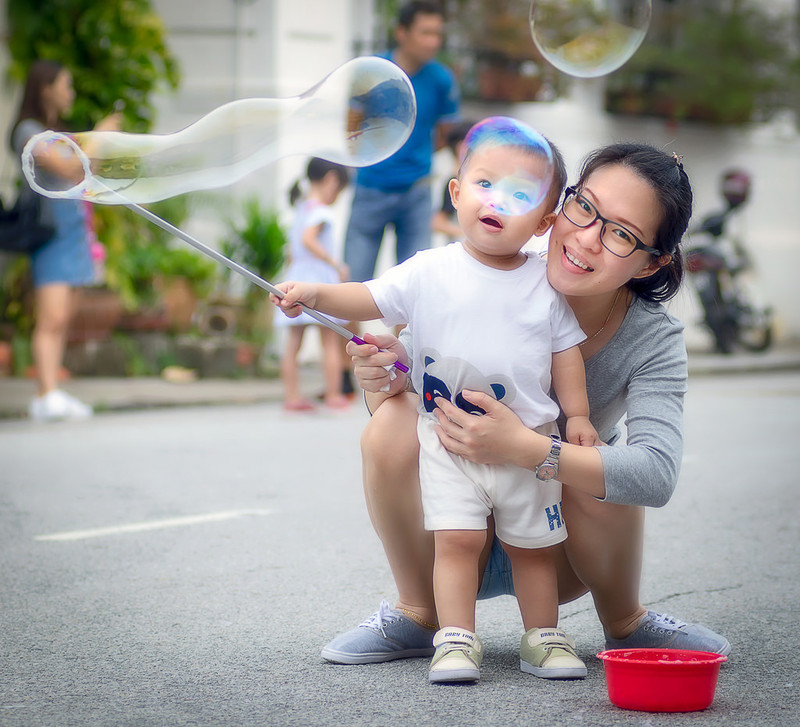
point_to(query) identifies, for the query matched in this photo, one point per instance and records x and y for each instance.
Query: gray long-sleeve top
(642, 370)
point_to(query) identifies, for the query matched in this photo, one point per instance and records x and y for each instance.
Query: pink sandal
(299, 406)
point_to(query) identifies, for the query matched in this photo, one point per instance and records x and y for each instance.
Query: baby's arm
(351, 301)
(569, 382)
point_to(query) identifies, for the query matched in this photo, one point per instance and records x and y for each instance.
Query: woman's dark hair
(670, 183)
(316, 171)
(41, 74)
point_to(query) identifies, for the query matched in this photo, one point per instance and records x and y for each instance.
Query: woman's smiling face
(577, 262)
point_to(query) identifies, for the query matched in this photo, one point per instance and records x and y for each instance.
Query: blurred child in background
(312, 259)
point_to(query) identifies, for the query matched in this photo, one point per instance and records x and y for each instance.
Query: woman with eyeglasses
(614, 253)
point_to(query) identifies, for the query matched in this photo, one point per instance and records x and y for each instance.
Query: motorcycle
(720, 268)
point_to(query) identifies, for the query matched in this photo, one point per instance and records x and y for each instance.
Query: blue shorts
(497, 578)
(66, 257)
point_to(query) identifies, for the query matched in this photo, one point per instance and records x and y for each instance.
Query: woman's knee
(389, 441)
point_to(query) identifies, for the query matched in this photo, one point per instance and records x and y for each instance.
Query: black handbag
(21, 227)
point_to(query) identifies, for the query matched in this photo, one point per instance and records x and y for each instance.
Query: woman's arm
(500, 437)
(69, 166)
(645, 470)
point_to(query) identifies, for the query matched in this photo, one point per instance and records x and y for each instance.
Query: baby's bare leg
(455, 576)
(535, 584)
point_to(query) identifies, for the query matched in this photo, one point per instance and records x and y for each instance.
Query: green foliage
(258, 242)
(16, 297)
(139, 251)
(722, 62)
(180, 262)
(115, 50)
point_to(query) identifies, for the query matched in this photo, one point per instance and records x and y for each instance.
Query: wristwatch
(548, 470)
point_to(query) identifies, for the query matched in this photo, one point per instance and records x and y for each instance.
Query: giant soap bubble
(589, 38)
(360, 114)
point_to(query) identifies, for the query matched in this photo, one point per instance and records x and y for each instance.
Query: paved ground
(183, 566)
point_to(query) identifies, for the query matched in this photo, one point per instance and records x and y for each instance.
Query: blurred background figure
(311, 258)
(397, 191)
(64, 262)
(444, 219)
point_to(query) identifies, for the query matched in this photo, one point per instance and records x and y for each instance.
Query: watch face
(546, 472)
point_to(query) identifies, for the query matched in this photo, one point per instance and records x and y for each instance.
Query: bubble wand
(359, 115)
(249, 274)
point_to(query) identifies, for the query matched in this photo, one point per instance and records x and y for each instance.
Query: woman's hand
(112, 122)
(370, 362)
(496, 437)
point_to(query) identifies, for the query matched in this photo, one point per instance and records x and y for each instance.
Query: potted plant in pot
(184, 277)
(136, 252)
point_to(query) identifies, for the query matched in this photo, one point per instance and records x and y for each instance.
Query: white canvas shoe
(56, 405)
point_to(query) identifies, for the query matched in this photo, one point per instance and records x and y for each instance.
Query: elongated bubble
(526, 186)
(360, 114)
(589, 38)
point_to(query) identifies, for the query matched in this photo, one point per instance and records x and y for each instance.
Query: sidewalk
(107, 394)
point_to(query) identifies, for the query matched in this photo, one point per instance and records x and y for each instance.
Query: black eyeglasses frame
(570, 192)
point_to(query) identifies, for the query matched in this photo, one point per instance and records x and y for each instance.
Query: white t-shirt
(303, 264)
(476, 327)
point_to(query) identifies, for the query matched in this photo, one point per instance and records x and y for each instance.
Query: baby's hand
(580, 431)
(294, 294)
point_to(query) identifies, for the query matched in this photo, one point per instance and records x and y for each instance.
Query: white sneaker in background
(55, 405)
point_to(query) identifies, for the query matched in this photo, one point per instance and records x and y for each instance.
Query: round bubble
(524, 189)
(589, 38)
(359, 115)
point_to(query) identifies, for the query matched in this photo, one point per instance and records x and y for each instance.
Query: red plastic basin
(661, 680)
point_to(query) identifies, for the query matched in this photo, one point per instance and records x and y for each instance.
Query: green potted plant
(258, 242)
(136, 251)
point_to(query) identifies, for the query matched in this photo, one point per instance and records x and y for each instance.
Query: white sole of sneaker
(544, 673)
(375, 657)
(454, 675)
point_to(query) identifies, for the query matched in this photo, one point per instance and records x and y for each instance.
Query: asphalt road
(185, 566)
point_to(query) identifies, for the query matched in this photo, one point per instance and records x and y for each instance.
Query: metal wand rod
(241, 270)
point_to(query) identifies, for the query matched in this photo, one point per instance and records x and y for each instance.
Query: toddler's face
(497, 200)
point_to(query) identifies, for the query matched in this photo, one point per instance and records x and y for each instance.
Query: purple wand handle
(396, 364)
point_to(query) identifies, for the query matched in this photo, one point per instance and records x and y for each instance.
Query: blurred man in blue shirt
(397, 190)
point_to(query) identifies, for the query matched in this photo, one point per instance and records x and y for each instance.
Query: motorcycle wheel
(725, 334)
(718, 316)
(755, 330)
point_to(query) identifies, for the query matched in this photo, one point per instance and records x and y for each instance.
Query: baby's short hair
(506, 131)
